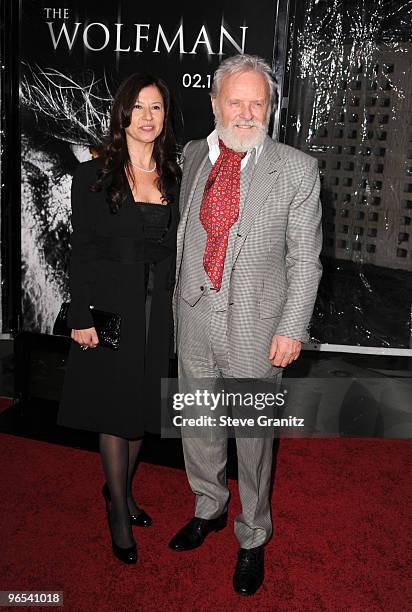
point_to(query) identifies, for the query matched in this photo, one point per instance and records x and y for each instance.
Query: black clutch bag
(107, 326)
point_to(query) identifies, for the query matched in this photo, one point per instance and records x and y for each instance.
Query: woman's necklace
(143, 169)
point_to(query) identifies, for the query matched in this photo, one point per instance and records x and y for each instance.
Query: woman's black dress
(122, 263)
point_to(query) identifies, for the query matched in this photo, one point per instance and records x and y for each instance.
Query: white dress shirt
(214, 150)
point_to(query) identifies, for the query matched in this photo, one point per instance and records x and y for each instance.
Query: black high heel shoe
(141, 520)
(126, 555)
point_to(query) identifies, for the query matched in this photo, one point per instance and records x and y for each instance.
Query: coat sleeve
(83, 252)
(303, 247)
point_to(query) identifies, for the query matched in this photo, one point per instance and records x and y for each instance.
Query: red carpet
(342, 532)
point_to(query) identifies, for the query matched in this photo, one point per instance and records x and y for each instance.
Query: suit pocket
(268, 310)
(193, 297)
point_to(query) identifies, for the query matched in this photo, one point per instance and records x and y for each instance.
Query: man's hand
(85, 337)
(283, 351)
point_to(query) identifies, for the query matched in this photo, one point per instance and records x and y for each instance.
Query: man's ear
(213, 101)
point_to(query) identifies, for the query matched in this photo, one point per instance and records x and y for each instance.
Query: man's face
(241, 110)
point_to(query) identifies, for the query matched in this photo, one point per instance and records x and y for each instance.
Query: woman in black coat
(124, 219)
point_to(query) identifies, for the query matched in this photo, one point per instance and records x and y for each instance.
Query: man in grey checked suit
(248, 318)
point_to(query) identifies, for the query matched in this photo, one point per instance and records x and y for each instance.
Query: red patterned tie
(220, 209)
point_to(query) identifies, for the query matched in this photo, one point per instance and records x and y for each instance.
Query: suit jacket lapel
(264, 178)
(194, 171)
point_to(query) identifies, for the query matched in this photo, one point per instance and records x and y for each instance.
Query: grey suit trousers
(203, 353)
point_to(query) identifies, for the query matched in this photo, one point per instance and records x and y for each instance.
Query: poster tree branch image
(64, 121)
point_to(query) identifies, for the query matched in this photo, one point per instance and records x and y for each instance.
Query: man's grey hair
(244, 63)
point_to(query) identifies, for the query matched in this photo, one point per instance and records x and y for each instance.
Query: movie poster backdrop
(74, 55)
(348, 104)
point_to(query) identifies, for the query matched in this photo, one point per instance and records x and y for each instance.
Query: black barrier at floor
(347, 406)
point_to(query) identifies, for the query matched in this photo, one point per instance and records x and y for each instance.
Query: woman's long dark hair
(115, 152)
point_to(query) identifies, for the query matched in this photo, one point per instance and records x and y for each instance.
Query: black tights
(119, 459)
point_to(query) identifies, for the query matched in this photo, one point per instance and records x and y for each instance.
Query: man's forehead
(245, 82)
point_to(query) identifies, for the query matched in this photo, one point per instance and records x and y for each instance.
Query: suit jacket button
(202, 288)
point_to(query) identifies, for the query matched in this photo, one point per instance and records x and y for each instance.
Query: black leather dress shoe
(249, 571)
(141, 520)
(194, 533)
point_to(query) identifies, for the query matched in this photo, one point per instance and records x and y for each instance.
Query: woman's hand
(87, 338)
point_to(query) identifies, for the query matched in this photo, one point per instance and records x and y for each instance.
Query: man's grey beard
(237, 143)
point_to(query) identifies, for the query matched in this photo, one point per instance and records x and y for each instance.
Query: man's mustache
(246, 123)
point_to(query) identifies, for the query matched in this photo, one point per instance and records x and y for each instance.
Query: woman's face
(147, 118)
